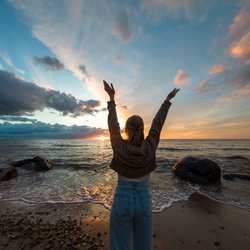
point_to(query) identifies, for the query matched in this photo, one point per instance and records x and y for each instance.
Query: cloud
(239, 39)
(240, 26)
(73, 33)
(50, 63)
(239, 36)
(181, 78)
(241, 49)
(46, 130)
(84, 71)
(7, 59)
(202, 84)
(237, 95)
(216, 69)
(242, 77)
(245, 91)
(177, 8)
(122, 27)
(18, 97)
(16, 119)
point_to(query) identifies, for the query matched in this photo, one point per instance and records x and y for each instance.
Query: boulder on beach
(198, 170)
(35, 163)
(7, 174)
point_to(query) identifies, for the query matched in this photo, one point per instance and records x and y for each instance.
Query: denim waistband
(132, 183)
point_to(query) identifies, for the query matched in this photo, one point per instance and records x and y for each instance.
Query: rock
(7, 174)
(35, 163)
(231, 177)
(198, 170)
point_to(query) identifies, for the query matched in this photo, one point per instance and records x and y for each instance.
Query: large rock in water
(36, 163)
(198, 170)
(7, 174)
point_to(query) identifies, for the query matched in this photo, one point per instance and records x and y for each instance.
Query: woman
(133, 160)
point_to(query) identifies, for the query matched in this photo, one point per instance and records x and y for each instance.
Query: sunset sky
(55, 54)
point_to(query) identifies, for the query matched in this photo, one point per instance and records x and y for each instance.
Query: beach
(198, 223)
(68, 207)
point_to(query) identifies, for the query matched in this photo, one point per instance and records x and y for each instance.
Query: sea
(81, 172)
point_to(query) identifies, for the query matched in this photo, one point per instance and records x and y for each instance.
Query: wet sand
(202, 224)
(199, 223)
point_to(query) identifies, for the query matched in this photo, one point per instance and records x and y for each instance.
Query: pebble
(216, 243)
(30, 232)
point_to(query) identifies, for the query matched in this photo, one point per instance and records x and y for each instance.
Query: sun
(102, 138)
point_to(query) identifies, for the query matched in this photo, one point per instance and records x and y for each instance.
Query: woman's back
(129, 160)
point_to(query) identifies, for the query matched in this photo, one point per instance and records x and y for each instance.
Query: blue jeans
(131, 217)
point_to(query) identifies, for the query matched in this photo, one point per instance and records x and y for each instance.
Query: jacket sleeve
(113, 124)
(157, 124)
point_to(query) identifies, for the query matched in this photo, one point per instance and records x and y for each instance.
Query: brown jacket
(131, 161)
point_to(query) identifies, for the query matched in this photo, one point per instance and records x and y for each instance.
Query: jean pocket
(146, 207)
(121, 206)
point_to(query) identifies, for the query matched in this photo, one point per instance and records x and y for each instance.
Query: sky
(54, 56)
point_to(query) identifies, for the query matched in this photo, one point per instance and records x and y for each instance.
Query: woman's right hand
(109, 89)
(172, 94)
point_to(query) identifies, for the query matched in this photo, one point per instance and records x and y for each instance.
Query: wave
(179, 149)
(240, 149)
(238, 204)
(41, 202)
(237, 157)
(67, 146)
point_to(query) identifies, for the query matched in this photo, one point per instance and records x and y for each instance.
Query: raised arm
(159, 119)
(113, 124)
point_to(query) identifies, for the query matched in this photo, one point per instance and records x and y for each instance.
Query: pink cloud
(241, 49)
(216, 69)
(239, 36)
(240, 26)
(202, 84)
(245, 91)
(181, 78)
(236, 96)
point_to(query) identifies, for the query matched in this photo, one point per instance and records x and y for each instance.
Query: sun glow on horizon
(102, 138)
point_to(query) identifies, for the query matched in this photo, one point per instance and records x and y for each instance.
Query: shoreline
(198, 223)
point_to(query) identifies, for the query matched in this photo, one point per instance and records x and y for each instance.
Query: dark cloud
(50, 63)
(242, 77)
(16, 119)
(18, 97)
(47, 131)
(84, 71)
(122, 26)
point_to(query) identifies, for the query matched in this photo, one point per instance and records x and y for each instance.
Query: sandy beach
(199, 223)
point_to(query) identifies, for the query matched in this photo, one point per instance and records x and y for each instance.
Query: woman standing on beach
(133, 160)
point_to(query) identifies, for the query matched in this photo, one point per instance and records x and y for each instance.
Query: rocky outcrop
(35, 163)
(198, 170)
(7, 174)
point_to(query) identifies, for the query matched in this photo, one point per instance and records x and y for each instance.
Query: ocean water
(82, 173)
